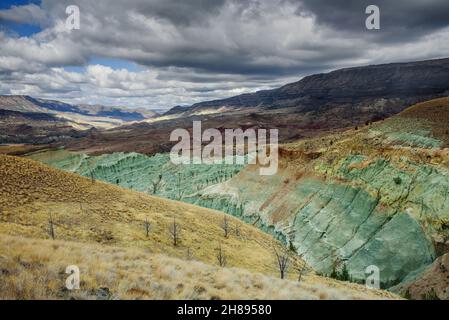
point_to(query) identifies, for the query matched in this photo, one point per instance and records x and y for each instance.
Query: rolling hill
(101, 227)
(372, 195)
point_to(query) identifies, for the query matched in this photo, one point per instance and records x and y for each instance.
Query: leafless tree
(225, 225)
(156, 183)
(282, 260)
(147, 226)
(301, 269)
(51, 228)
(237, 229)
(175, 231)
(221, 256)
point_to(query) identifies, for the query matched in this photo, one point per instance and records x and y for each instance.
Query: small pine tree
(292, 247)
(344, 276)
(408, 295)
(334, 273)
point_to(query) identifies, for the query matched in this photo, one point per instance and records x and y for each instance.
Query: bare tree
(51, 228)
(225, 225)
(174, 231)
(221, 257)
(147, 226)
(156, 183)
(282, 260)
(237, 229)
(301, 272)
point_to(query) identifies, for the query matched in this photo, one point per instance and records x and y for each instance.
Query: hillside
(387, 89)
(372, 195)
(24, 119)
(88, 211)
(34, 127)
(102, 226)
(34, 269)
(434, 116)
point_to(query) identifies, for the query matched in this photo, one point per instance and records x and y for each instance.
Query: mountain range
(387, 89)
(316, 105)
(32, 120)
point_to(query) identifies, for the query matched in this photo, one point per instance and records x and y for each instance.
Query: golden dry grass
(100, 227)
(35, 269)
(436, 113)
(88, 211)
(20, 149)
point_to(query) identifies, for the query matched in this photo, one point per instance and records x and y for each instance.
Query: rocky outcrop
(386, 89)
(428, 283)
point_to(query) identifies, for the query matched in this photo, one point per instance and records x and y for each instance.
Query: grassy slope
(107, 224)
(436, 114)
(88, 211)
(34, 269)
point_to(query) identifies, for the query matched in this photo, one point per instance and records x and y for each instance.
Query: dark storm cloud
(401, 20)
(187, 51)
(180, 12)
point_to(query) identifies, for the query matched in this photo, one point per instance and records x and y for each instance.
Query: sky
(158, 54)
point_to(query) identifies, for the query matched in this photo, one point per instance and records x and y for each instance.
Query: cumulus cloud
(30, 14)
(189, 51)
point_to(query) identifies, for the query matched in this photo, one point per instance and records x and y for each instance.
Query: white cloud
(30, 13)
(187, 51)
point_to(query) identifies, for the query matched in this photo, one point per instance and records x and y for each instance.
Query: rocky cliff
(386, 89)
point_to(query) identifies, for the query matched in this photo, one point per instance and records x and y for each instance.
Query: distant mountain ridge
(24, 119)
(30, 104)
(391, 87)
